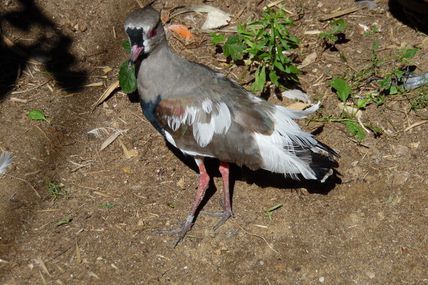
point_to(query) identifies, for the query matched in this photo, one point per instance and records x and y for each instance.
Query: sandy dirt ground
(367, 226)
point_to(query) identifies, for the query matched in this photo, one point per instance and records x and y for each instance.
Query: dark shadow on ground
(29, 37)
(261, 178)
(413, 13)
(51, 49)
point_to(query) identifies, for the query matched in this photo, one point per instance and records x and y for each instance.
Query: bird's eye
(151, 33)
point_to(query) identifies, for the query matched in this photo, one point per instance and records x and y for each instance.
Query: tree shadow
(413, 13)
(51, 49)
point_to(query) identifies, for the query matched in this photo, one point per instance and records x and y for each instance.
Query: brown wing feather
(236, 145)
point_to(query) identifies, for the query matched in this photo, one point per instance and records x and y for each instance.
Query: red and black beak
(137, 43)
(135, 52)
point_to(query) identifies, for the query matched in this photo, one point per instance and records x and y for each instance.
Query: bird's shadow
(261, 178)
(411, 13)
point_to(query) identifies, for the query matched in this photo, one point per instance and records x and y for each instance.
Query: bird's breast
(149, 109)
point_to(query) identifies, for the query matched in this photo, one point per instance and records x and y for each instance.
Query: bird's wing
(227, 122)
(202, 117)
(208, 116)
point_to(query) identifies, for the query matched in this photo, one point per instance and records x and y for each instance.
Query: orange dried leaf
(182, 31)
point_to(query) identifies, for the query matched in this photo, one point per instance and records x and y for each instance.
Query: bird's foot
(224, 216)
(212, 213)
(184, 229)
(180, 232)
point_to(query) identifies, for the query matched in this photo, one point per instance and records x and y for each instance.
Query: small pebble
(370, 274)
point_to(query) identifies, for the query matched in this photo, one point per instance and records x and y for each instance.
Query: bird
(205, 114)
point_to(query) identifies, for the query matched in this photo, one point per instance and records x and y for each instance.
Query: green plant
(354, 129)
(36, 115)
(334, 34)
(387, 82)
(263, 45)
(126, 45)
(56, 190)
(353, 91)
(351, 124)
(420, 102)
(127, 78)
(342, 88)
(107, 205)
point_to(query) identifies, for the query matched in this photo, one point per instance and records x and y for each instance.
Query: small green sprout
(270, 211)
(354, 129)
(64, 221)
(107, 205)
(335, 34)
(37, 115)
(420, 102)
(56, 190)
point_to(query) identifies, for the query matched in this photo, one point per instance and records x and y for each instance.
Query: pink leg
(227, 205)
(204, 180)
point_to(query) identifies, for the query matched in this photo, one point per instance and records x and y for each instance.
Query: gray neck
(158, 72)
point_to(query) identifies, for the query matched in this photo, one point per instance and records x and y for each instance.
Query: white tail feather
(5, 161)
(277, 149)
(278, 160)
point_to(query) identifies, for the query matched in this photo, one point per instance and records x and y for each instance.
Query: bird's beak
(135, 52)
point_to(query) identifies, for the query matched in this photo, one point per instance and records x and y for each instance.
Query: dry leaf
(98, 132)
(106, 94)
(350, 110)
(354, 112)
(19, 100)
(364, 27)
(39, 262)
(95, 84)
(78, 256)
(314, 32)
(101, 194)
(216, 18)
(111, 138)
(92, 274)
(165, 16)
(298, 106)
(415, 145)
(107, 69)
(424, 44)
(180, 183)
(182, 31)
(309, 59)
(128, 153)
(296, 94)
(126, 170)
(415, 125)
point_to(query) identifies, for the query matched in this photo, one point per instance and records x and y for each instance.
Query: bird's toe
(225, 215)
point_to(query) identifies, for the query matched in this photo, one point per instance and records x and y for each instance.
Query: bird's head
(144, 30)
